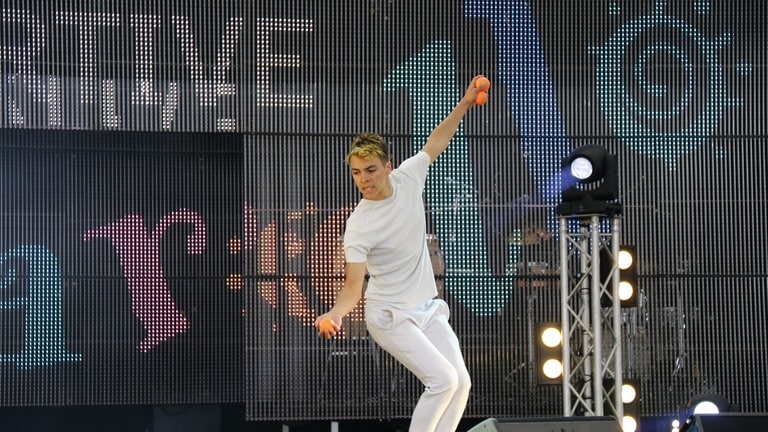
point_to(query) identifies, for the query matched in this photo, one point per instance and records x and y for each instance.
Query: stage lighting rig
(630, 396)
(589, 182)
(630, 393)
(626, 265)
(550, 353)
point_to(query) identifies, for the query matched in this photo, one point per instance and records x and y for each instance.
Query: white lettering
(209, 90)
(266, 60)
(144, 48)
(109, 117)
(170, 105)
(29, 78)
(87, 23)
(54, 101)
(22, 56)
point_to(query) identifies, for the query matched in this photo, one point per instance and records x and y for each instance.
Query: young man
(386, 237)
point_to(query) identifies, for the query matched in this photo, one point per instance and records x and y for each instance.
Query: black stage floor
(219, 418)
(226, 418)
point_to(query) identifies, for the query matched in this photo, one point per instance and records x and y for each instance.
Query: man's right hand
(328, 325)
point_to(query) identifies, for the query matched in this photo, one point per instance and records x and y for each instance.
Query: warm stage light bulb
(628, 393)
(628, 424)
(625, 259)
(551, 337)
(552, 368)
(626, 290)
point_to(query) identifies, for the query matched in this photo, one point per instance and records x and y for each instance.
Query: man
(386, 237)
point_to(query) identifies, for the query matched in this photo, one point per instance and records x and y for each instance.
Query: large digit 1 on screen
(531, 94)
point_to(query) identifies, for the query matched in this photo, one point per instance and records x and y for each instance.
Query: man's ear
(388, 166)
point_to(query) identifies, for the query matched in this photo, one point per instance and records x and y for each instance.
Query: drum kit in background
(535, 250)
(532, 242)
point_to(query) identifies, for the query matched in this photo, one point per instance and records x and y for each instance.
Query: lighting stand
(592, 362)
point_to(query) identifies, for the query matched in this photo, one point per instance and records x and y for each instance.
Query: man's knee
(447, 381)
(463, 381)
(453, 381)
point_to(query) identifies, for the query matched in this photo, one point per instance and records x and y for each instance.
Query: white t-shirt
(390, 236)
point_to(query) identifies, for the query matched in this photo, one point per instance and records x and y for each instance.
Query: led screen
(173, 193)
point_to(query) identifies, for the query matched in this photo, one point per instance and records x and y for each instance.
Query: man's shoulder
(418, 163)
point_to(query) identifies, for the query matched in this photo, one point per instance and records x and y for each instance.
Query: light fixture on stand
(589, 182)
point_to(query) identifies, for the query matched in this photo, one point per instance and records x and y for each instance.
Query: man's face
(371, 177)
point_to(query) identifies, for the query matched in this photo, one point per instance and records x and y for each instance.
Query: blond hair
(369, 145)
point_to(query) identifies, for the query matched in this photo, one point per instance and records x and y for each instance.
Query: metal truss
(591, 316)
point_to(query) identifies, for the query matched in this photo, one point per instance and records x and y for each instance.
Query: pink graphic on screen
(139, 254)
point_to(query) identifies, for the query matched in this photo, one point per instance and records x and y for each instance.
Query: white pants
(424, 342)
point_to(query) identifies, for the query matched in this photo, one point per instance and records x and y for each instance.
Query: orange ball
(326, 327)
(483, 83)
(481, 98)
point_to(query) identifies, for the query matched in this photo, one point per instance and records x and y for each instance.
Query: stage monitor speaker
(570, 424)
(489, 425)
(725, 422)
